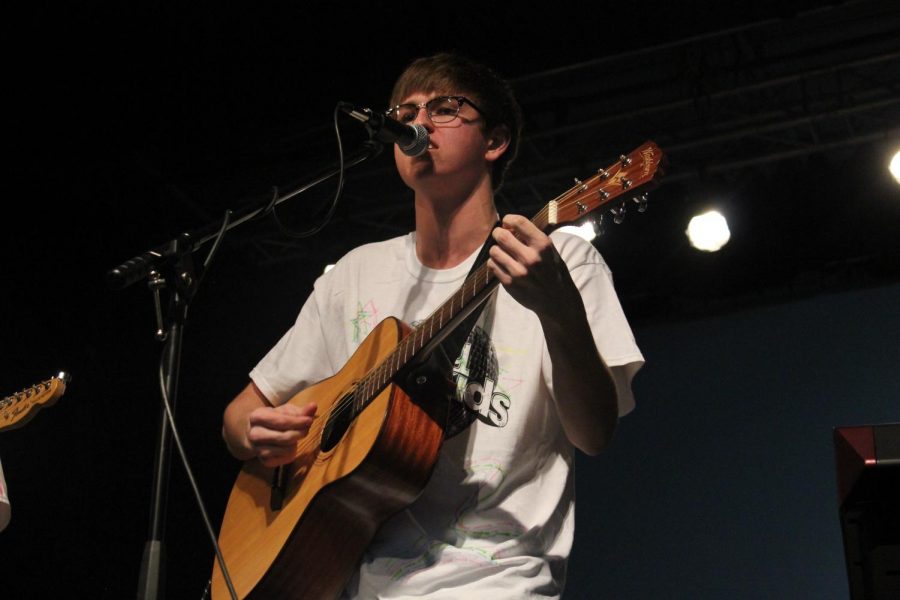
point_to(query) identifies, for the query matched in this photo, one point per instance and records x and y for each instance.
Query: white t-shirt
(496, 518)
(4, 502)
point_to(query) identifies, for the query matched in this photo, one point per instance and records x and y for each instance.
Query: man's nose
(423, 119)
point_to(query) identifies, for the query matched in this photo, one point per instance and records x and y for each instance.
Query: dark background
(131, 124)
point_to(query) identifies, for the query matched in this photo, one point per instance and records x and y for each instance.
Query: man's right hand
(253, 428)
(273, 432)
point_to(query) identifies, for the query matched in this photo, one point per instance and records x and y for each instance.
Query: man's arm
(526, 262)
(583, 386)
(253, 428)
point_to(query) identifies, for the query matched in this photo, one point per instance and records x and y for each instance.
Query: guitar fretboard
(427, 335)
(474, 290)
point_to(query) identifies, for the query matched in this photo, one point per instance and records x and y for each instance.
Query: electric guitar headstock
(18, 409)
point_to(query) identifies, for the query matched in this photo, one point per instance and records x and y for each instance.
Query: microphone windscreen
(419, 143)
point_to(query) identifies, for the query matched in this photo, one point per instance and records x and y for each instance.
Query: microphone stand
(171, 265)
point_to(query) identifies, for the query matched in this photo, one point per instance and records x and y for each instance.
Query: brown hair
(493, 95)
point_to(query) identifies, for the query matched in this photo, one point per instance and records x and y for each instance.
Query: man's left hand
(526, 262)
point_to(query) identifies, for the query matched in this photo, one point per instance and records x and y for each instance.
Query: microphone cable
(331, 210)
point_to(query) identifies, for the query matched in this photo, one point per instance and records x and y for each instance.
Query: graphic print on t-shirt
(476, 372)
(365, 321)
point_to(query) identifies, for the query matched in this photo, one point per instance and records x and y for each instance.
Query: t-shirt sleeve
(609, 327)
(5, 511)
(299, 359)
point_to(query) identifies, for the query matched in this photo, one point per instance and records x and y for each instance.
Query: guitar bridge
(276, 497)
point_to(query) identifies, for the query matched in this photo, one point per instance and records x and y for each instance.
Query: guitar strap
(433, 378)
(454, 342)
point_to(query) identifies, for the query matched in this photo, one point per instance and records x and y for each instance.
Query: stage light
(585, 230)
(895, 166)
(708, 232)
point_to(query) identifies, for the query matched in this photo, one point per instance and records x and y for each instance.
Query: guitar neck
(418, 345)
(429, 334)
(475, 290)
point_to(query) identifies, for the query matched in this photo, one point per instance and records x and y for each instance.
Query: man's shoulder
(373, 256)
(575, 250)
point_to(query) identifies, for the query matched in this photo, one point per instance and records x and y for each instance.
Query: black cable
(190, 475)
(226, 220)
(340, 187)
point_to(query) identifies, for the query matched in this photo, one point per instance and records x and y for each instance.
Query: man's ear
(497, 142)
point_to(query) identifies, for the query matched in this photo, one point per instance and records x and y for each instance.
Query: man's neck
(449, 230)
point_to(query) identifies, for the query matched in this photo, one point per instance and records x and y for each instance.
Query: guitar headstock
(18, 409)
(631, 177)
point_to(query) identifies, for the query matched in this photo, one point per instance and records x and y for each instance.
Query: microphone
(411, 139)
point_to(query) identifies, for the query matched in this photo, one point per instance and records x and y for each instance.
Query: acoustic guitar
(18, 409)
(299, 531)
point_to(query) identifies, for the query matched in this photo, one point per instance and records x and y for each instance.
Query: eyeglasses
(442, 109)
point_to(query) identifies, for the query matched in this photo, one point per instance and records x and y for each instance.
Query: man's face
(457, 153)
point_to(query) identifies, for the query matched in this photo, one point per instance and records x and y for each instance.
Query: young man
(546, 369)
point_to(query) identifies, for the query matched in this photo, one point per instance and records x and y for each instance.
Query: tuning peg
(599, 225)
(641, 201)
(626, 183)
(579, 183)
(625, 160)
(603, 173)
(618, 214)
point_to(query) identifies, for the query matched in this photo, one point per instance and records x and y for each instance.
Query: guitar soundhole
(339, 420)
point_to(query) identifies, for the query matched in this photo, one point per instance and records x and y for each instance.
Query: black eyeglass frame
(460, 101)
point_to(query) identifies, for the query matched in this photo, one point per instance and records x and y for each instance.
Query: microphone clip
(411, 139)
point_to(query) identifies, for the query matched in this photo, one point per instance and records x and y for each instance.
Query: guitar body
(335, 499)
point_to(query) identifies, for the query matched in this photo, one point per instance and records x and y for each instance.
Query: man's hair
(453, 73)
